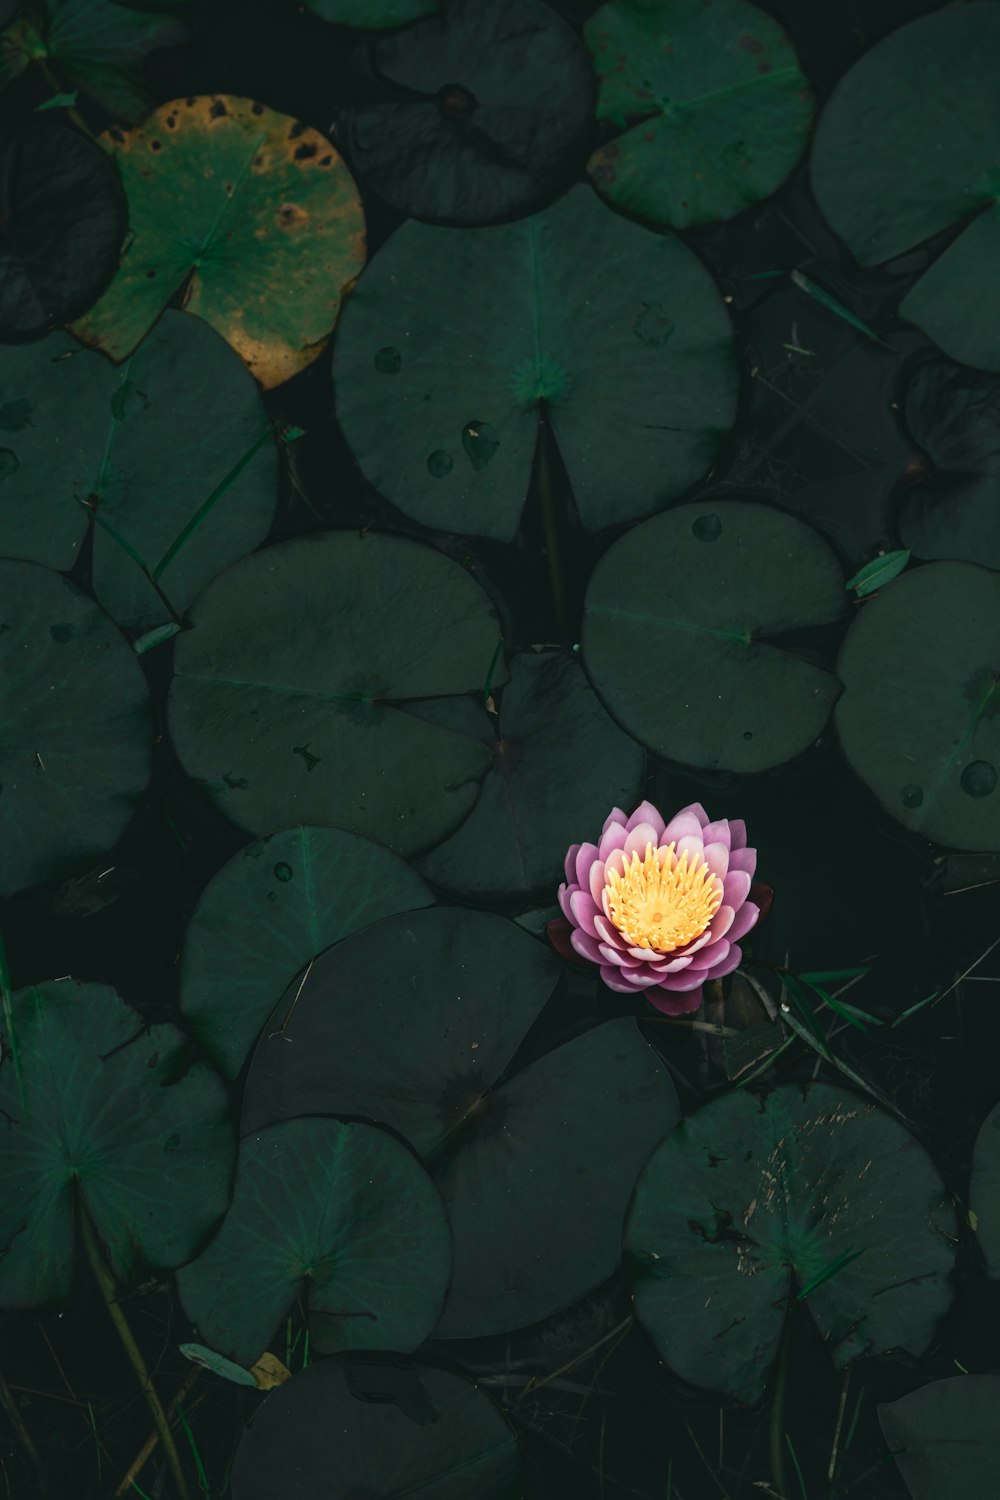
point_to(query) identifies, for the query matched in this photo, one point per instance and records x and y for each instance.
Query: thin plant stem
(105, 1279)
(777, 1424)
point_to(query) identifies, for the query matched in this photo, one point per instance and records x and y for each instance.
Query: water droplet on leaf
(707, 528)
(283, 871)
(911, 795)
(440, 463)
(979, 778)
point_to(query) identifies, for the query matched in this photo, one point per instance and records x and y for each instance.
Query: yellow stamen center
(660, 901)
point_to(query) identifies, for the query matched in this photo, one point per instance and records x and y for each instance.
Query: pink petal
(743, 859)
(746, 917)
(722, 921)
(737, 833)
(614, 816)
(699, 813)
(669, 964)
(615, 861)
(598, 882)
(613, 837)
(689, 980)
(617, 957)
(569, 863)
(729, 963)
(613, 980)
(680, 824)
(647, 813)
(585, 945)
(583, 912)
(717, 832)
(639, 979)
(641, 835)
(676, 1005)
(717, 858)
(562, 896)
(695, 943)
(693, 845)
(585, 858)
(736, 888)
(711, 955)
(608, 931)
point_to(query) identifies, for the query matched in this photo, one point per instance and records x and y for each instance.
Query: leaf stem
(777, 1424)
(105, 1279)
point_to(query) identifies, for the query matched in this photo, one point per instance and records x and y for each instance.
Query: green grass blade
(798, 1471)
(829, 1271)
(206, 508)
(842, 1010)
(202, 1476)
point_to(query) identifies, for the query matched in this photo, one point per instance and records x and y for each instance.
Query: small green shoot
(798, 1470)
(488, 684)
(58, 101)
(828, 1271)
(832, 305)
(202, 1476)
(881, 570)
(155, 637)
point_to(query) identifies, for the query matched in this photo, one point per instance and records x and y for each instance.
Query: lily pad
(414, 1024)
(172, 453)
(97, 45)
(342, 1213)
(106, 1116)
(62, 222)
(677, 628)
(919, 719)
(953, 414)
(812, 1191)
(945, 1437)
(253, 214)
(290, 689)
(984, 1189)
(379, 1431)
(619, 333)
(713, 107)
(895, 163)
(373, 14)
(558, 764)
(275, 905)
(482, 113)
(75, 728)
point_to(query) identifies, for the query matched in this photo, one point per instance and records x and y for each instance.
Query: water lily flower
(661, 906)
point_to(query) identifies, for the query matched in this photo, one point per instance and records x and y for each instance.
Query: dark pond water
(819, 433)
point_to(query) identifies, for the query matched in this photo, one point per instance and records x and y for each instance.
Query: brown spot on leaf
(256, 109)
(325, 161)
(303, 152)
(297, 129)
(171, 122)
(218, 110)
(291, 214)
(116, 134)
(156, 145)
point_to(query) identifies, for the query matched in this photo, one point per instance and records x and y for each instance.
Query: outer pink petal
(613, 837)
(717, 858)
(586, 855)
(710, 956)
(681, 823)
(699, 813)
(640, 979)
(562, 896)
(617, 956)
(717, 833)
(641, 835)
(569, 863)
(597, 881)
(612, 978)
(583, 912)
(585, 945)
(738, 833)
(721, 922)
(689, 980)
(736, 888)
(616, 815)
(744, 859)
(746, 917)
(676, 1004)
(646, 813)
(731, 961)
(695, 943)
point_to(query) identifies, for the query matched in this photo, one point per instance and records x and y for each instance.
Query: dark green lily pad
(814, 1192)
(712, 103)
(275, 905)
(382, 1430)
(677, 624)
(895, 163)
(953, 414)
(253, 214)
(75, 728)
(289, 697)
(919, 719)
(172, 452)
(62, 222)
(620, 332)
(99, 46)
(945, 1437)
(105, 1116)
(984, 1189)
(482, 113)
(372, 13)
(343, 1213)
(413, 1024)
(530, 810)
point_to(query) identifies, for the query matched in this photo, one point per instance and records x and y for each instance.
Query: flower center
(660, 901)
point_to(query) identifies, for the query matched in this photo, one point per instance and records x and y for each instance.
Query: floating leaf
(253, 214)
(481, 113)
(984, 1189)
(172, 452)
(880, 571)
(529, 811)
(105, 1117)
(918, 719)
(811, 1187)
(98, 44)
(676, 628)
(612, 329)
(945, 1437)
(62, 219)
(289, 700)
(379, 1428)
(275, 905)
(199, 1354)
(341, 1213)
(75, 728)
(372, 13)
(895, 164)
(713, 107)
(414, 1024)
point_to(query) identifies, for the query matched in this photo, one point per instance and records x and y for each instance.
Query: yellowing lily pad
(253, 213)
